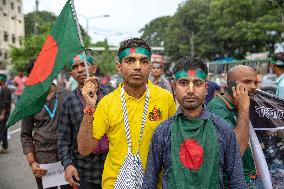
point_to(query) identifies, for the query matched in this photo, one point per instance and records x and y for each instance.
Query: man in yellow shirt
(128, 116)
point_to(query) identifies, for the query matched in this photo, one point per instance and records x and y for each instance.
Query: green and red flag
(63, 43)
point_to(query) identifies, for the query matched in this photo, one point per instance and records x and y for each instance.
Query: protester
(5, 106)
(278, 68)
(128, 116)
(212, 90)
(233, 106)
(19, 82)
(39, 133)
(86, 171)
(157, 77)
(193, 147)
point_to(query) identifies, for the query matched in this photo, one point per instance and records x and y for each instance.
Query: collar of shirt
(150, 85)
(228, 104)
(205, 114)
(280, 78)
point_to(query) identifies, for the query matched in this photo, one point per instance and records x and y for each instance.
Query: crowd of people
(149, 132)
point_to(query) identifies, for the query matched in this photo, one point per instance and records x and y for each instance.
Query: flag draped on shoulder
(61, 45)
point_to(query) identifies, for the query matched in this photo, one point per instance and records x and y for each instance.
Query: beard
(191, 102)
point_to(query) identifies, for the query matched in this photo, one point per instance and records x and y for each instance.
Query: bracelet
(32, 163)
(89, 111)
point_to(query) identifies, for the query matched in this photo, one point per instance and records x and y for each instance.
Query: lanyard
(125, 117)
(51, 114)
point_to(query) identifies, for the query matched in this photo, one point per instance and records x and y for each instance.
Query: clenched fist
(89, 91)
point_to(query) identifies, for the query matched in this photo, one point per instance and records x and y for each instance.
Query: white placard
(54, 175)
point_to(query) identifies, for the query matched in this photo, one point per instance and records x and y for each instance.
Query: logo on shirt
(155, 114)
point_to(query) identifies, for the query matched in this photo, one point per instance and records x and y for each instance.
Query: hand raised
(89, 91)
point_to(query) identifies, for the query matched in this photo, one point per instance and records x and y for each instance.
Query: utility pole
(35, 17)
(192, 44)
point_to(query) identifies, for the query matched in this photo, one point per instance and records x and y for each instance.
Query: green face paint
(137, 50)
(191, 73)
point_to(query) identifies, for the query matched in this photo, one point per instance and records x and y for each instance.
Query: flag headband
(81, 58)
(137, 50)
(191, 73)
(3, 77)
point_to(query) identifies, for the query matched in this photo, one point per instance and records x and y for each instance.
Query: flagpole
(80, 37)
(259, 159)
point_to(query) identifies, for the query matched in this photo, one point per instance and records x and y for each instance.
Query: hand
(241, 97)
(69, 173)
(37, 171)
(89, 91)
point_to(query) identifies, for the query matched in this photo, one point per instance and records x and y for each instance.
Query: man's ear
(118, 68)
(206, 84)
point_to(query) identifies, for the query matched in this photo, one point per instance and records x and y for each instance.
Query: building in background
(11, 28)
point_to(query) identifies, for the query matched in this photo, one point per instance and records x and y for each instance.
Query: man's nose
(137, 64)
(82, 68)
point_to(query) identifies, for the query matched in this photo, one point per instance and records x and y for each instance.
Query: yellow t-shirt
(108, 119)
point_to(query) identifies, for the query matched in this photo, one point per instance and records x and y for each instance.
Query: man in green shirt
(233, 106)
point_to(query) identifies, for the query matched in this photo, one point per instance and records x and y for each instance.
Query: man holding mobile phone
(233, 106)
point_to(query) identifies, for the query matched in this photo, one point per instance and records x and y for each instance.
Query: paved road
(15, 172)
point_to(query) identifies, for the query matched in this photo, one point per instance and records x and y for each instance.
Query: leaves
(218, 28)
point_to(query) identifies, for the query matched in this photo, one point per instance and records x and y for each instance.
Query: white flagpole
(259, 159)
(80, 37)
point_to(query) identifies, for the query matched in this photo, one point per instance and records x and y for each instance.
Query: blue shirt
(212, 87)
(280, 86)
(159, 156)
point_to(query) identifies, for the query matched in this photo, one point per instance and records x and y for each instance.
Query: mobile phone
(230, 85)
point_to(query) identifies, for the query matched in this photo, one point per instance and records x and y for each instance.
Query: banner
(267, 119)
(267, 112)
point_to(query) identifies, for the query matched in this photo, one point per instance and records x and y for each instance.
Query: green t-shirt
(229, 113)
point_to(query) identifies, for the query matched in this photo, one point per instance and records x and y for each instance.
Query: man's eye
(198, 83)
(145, 61)
(183, 83)
(130, 60)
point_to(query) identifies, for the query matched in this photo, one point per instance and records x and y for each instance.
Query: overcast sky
(127, 17)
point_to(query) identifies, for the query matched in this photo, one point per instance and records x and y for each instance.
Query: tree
(155, 32)
(105, 59)
(216, 28)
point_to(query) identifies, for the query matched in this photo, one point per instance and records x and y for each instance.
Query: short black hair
(133, 42)
(188, 62)
(30, 66)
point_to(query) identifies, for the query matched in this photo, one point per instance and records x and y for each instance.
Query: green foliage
(105, 60)
(218, 28)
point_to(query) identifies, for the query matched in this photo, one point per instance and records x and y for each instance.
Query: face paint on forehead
(191, 73)
(137, 50)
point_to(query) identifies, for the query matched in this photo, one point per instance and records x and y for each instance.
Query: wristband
(89, 111)
(32, 163)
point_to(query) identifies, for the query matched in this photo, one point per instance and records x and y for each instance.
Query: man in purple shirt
(194, 148)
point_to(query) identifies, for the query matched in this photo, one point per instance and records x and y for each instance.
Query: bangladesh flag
(61, 45)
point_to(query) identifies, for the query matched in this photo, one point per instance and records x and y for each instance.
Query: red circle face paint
(191, 154)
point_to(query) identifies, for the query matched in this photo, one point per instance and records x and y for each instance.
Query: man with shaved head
(233, 106)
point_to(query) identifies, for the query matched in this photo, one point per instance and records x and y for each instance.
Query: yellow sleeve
(101, 122)
(172, 106)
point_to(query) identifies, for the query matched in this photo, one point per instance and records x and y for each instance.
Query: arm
(64, 135)
(242, 127)
(85, 140)
(233, 163)
(154, 162)
(64, 144)
(28, 147)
